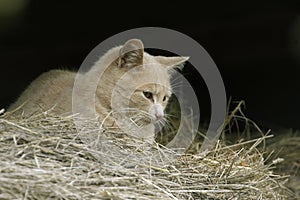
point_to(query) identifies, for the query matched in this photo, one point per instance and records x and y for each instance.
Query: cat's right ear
(131, 54)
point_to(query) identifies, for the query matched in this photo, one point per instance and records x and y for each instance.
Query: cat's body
(51, 89)
(128, 80)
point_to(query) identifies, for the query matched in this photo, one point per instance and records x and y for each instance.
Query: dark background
(255, 45)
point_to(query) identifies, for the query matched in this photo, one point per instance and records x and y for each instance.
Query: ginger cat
(132, 82)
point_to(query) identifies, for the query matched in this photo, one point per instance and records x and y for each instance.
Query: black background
(250, 42)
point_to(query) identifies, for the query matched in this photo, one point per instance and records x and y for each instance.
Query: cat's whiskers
(170, 115)
(133, 115)
(136, 116)
(168, 124)
(161, 123)
(143, 115)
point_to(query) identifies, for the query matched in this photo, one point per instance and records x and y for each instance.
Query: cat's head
(145, 84)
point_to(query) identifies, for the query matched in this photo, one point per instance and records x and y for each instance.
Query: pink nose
(159, 115)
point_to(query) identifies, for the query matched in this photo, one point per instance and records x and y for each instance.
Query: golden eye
(148, 95)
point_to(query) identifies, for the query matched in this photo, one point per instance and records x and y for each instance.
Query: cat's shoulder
(55, 76)
(55, 79)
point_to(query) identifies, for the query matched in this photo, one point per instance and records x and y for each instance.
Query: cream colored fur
(125, 74)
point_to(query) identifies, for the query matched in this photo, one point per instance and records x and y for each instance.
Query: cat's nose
(159, 115)
(157, 111)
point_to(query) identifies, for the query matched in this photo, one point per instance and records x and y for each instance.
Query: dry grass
(43, 157)
(287, 146)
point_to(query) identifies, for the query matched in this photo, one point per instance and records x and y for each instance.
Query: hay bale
(43, 157)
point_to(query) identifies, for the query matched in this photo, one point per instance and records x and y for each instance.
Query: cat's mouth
(151, 119)
(145, 120)
(142, 118)
(156, 119)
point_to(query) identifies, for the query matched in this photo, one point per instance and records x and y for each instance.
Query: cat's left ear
(131, 54)
(172, 62)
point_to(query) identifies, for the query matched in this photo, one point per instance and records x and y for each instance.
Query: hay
(287, 146)
(43, 157)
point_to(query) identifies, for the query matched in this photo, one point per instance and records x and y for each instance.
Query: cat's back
(52, 88)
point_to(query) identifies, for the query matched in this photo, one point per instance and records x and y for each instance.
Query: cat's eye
(164, 98)
(148, 95)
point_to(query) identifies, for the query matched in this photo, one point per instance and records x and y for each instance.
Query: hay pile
(287, 145)
(43, 157)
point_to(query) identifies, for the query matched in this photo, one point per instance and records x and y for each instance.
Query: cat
(133, 84)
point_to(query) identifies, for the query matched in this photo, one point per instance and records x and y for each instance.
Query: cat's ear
(172, 62)
(131, 54)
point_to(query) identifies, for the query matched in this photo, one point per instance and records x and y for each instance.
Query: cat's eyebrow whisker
(176, 82)
(174, 87)
(175, 78)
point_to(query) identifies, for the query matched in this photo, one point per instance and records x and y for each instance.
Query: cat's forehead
(153, 76)
(152, 65)
(149, 59)
(156, 73)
